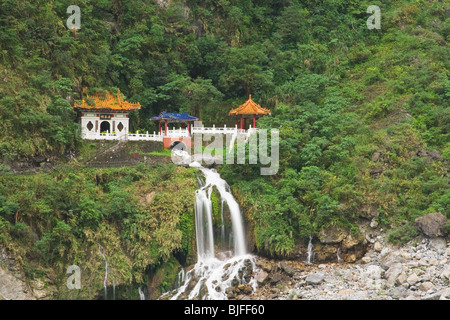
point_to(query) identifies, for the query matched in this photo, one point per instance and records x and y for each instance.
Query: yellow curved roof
(250, 107)
(107, 102)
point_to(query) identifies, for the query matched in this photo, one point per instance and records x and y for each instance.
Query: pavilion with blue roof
(168, 117)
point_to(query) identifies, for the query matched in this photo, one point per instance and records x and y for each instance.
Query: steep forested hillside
(363, 113)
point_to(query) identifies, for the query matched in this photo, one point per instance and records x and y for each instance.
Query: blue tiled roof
(174, 116)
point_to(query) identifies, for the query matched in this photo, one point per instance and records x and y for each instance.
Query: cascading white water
(205, 238)
(215, 271)
(105, 280)
(339, 260)
(310, 251)
(141, 293)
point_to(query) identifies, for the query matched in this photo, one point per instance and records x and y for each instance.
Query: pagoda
(105, 113)
(249, 110)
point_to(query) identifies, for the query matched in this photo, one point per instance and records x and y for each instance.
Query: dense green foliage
(363, 114)
(140, 216)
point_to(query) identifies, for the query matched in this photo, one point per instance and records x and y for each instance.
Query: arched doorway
(178, 145)
(105, 126)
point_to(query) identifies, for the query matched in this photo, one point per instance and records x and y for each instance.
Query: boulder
(432, 224)
(390, 259)
(393, 273)
(445, 294)
(315, 278)
(446, 273)
(378, 247)
(276, 277)
(401, 280)
(398, 292)
(412, 279)
(287, 268)
(425, 286)
(438, 243)
(374, 272)
(261, 277)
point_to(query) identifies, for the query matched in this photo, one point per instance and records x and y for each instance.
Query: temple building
(172, 136)
(105, 115)
(249, 110)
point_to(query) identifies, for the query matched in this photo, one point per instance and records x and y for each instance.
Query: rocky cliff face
(13, 284)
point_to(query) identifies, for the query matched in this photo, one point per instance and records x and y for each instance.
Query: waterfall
(310, 253)
(141, 293)
(216, 269)
(180, 278)
(105, 281)
(203, 213)
(339, 260)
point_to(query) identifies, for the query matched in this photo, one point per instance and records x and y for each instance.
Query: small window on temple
(90, 126)
(120, 127)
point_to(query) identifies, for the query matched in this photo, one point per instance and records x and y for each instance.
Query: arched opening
(178, 145)
(105, 127)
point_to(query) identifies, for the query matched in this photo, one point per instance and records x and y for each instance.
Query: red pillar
(188, 129)
(254, 121)
(165, 128)
(241, 121)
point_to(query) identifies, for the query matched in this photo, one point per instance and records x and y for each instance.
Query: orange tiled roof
(107, 102)
(250, 107)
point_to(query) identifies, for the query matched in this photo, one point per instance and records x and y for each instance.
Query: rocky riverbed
(419, 270)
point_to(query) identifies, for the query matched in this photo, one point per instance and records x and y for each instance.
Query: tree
(245, 71)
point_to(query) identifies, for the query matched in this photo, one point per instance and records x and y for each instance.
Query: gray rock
(276, 277)
(262, 277)
(438, 243)
(315, 278)
(390, 259)
(445, 294)
(401, 280)
(432, 224)
(413, 279)
(12, 288)
(398, 292)
(425, 286)
(378, 247)
(287, 268)
(446, 273)
(393, 273)
(434, 296)
(373, 224)
(374, 272)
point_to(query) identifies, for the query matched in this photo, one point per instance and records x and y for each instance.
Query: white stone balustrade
(172, 133)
